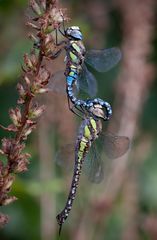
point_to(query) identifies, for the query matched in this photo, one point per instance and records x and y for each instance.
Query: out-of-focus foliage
(25, 215)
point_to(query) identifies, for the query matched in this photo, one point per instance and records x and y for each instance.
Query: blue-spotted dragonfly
(87, 152)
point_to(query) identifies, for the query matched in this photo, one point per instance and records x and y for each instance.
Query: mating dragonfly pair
(93, 111)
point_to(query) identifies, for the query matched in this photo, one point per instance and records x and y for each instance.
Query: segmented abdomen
(77, 171)
(89, 131)
(75, 59)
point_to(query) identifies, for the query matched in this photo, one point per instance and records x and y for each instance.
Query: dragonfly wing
(98, 161)
(57, 83)
(94, 166)
(87, 82)
(104, 150)
(115, 146)
(65, 157)
(103, 60)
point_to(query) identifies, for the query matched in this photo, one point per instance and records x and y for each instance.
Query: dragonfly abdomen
(75, 58)
(71, 79)
(89, 131)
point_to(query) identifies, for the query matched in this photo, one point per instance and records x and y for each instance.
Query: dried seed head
(36, 111)
(15, 115)
(1, 152)
(34, 58)
(48, 29)
(22, 93)
(20, 101)
(27, 132)
(1, 170)
(30, 24)
(1, 181)
(6, 145)
(43, 4)
(43, 76)
(8, 183)
(43, 90)
(7, 200)
(12, 128)
(21, 89)
(49, 46)
(37, 88)
(48, 39)
(21, 165)
(35, 7)
(57, 16)
(28, 62)
(16, 150)
(4, 219)
(36, 78)
(30, 125)
(27, 80)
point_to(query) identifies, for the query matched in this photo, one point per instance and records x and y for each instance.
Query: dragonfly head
(98, 111)
(74, 33)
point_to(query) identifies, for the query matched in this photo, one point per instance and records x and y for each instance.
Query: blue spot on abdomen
(70, 80)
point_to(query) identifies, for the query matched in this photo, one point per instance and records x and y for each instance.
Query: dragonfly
(77, 74)
(86, 152)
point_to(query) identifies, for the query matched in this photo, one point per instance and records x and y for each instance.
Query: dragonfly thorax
(74, 32)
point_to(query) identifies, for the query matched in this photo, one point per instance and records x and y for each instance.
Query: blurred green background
(42, 191)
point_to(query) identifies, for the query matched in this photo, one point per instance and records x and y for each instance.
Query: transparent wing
(103, 150)
(115, 146)
(94, 166)
(65, 157)
(98, 160)
(57, 83)
(87, 82)
(103, 60)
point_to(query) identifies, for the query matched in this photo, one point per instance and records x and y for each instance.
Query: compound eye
(68, 31)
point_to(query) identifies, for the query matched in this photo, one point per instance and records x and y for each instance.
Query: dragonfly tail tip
(60, 229)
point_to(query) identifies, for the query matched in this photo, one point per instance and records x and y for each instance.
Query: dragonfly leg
(61, 42)
(56, 37)
(63, 33)
(64, 26)
(83, 110)
(86, 112)
(80, 110)
(56, 54)
(72, 109)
